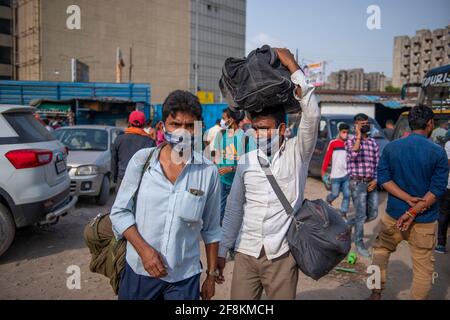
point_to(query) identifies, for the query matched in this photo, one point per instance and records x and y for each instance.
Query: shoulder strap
(145, 168)
(246, 144)
(276, 187)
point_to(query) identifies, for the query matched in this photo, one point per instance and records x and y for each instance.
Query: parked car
(34, 184)
(328, 131)
(89, 160)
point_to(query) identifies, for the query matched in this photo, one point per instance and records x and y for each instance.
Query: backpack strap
(144, 169)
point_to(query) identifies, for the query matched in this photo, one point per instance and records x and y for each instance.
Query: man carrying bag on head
(255, 221)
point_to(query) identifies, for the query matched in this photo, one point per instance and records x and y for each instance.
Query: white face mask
(270, 145)
(223, 124)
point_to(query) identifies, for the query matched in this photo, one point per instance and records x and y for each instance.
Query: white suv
(34, 183)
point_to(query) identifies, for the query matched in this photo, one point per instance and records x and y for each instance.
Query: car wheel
(102, 198)
(7, 229)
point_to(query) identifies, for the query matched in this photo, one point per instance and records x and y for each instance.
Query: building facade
(221, 29)
(6, 40)
(157, 41)
(414, 56)
(357, 80)
(153, 36)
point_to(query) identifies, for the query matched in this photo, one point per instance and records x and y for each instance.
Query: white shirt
(254, 217)
(447, 149)
(211, 136)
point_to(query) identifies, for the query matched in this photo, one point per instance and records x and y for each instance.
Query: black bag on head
(257, 82)
(319, 239)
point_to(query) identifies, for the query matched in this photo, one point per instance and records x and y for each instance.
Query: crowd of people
(224, 196)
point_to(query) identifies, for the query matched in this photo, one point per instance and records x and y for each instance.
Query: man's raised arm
(304, 93)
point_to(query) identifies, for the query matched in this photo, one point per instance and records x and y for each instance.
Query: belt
(361, 179)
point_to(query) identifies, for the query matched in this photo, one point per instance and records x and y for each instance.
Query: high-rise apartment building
(414, 56)
(357, 80)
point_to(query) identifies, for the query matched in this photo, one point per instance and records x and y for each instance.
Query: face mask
(269, 145)
(224, 125)
(344, 136)
(177, 140)
(365, 129)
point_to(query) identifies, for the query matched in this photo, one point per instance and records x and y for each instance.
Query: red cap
(137, 118)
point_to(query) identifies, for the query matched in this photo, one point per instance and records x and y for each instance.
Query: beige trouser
(277, 277)
(421, 239)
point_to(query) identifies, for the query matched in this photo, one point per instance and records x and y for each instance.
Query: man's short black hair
(182, 101)
(419, 116)
(237, 116)
(277, 113)
(344, 126)
(218, 122)
(361, 117)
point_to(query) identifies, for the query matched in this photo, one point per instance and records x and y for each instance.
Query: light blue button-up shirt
(169, 216)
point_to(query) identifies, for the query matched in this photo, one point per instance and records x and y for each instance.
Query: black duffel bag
(319, 238)
(257, 82)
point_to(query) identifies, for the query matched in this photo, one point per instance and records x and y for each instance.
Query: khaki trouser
(277, 277)
(421, 238)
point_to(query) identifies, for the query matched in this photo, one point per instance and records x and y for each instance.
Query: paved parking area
(35, 266)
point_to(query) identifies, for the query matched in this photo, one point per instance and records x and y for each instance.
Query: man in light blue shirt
(178, 201)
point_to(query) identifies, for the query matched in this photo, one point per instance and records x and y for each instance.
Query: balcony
(438, 43)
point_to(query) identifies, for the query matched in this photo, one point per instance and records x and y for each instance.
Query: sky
(336, 31)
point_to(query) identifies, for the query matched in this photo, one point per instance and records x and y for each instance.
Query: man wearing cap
(126, 145)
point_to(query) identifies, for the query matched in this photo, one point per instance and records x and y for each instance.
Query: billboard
(316, 73)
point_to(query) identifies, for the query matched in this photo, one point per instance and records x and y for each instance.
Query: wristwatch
(214, 273)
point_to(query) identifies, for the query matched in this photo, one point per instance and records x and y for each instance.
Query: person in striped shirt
(340, 182)
(363, 154)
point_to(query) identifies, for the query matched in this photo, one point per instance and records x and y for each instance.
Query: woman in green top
(230, 145)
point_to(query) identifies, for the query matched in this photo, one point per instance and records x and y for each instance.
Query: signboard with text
(316, 73)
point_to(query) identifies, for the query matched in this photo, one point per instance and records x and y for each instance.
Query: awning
(53, 108)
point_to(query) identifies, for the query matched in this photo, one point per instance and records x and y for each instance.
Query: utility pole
(130, 76)
(196, 45)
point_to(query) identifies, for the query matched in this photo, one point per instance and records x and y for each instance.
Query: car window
(83, 139)
(376, 131)
(323, 130)
(28, 129)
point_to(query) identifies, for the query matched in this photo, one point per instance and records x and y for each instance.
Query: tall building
(221, 28)
(414, 56)
(156, 40)
(357, 80)
(6, 40)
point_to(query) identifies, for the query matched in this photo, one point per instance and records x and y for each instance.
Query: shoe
(440, 249)
(363, 251)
